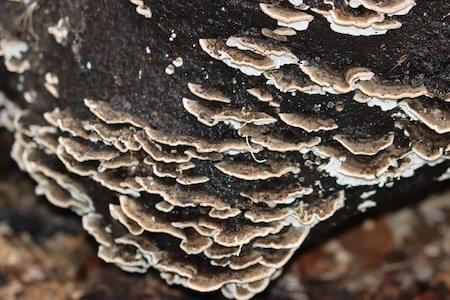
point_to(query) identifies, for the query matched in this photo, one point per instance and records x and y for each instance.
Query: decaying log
(209, 139)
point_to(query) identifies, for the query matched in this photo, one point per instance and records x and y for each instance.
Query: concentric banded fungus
(308, 123)
(208, 93)
(434, 117)
(347, 20)
(211, 177)
(212, 116)
(391, 7)
(287, 17)
(369, 146)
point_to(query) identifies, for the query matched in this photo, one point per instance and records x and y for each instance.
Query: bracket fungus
(264, 136)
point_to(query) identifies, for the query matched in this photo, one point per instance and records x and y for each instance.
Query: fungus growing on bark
(13, 51)
(391, 7)
(287, 17)
(142, 8)
(60, 31)
(370, 146)
(208, 93)
(347, 20)
(216, 175)
(308, 123)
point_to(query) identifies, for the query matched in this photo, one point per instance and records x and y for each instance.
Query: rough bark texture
(208, 143)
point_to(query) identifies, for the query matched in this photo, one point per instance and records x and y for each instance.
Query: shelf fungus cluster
(165, 215)
(215, 175)
(352, 17)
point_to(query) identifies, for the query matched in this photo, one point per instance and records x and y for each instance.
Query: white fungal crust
(60, 31)
(142, 9)
(13, 51)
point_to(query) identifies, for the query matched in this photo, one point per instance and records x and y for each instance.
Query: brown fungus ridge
(374, 88)
(313, 213)
(248, 62)
(200, 229)
(123, 257)
(261, 94)
(246, 234)
(171, 170)
(347, 20)
(435, 117)
(164, 206)
(67, 122)
(389, 7)
(334, 82)
(267, 258)
(219, 252)
(191, 179)
(180, 196)
(285, 31)
(291, 82)
(273, 197)
(208, 93)
(58, 196)
(117, 213)
(268, 215)
(286, 16)
(225, 213)
(426, 143)
(158, 153)
(113, 182)
(83, 151)
(195, 243)
(307, 122)
(72, 165)
(284, 145)
(146, 246)
(107, 114)
(223, 276)
(368, 146)
(251, 130)
(261, 47)
(48, 141)
(127, 160)
(208, 156)
(257, 171)
(33, 161)
(123, 139)
(211, 116)
(290, 239)
(379, 164)
(134, 209)
(96, 226)
(272, 35)
(347, 17)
